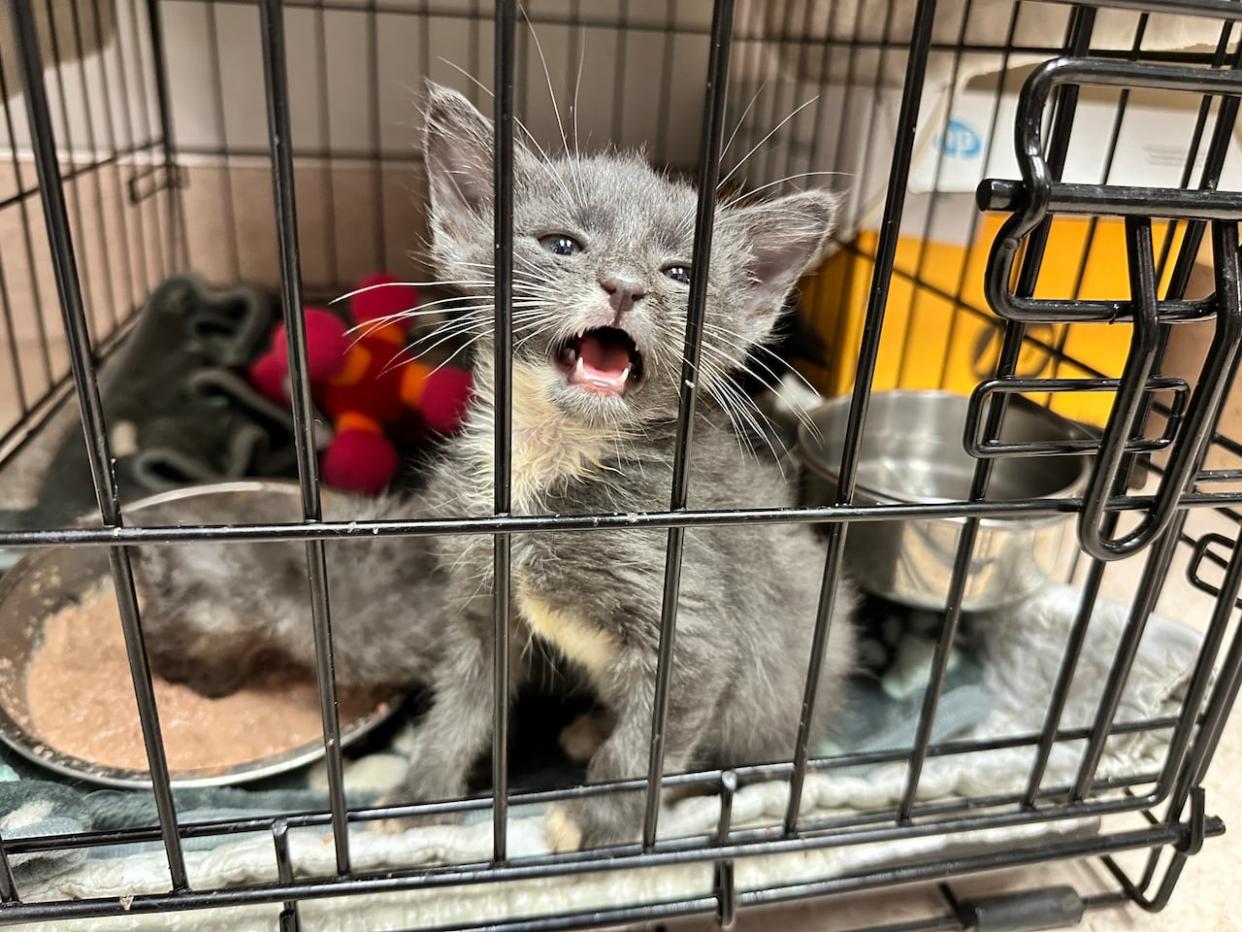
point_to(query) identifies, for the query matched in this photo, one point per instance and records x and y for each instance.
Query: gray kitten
(602, 250)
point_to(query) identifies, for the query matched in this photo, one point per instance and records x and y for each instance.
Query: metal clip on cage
(1190, 424)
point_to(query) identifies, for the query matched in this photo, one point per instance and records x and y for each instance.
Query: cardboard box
(941, 334)
(1151, 148)
(1187, 348)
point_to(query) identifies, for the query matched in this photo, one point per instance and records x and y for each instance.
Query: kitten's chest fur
(576, 591)
(548, 452)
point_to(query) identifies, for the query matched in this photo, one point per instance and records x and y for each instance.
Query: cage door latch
(1194, 433)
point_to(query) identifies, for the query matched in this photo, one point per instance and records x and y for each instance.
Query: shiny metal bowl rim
(22, 742)
(806, 444)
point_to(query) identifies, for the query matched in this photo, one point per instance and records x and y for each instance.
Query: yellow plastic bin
(938, 330)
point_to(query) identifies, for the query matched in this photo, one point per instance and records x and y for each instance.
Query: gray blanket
(884, 708)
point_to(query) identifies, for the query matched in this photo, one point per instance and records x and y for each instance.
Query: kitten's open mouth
(603, 360)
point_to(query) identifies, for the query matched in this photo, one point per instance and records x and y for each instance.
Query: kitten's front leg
(616, 818)
(457, 728)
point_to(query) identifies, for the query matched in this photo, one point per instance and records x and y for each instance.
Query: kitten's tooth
(624, 376)
(578, 371)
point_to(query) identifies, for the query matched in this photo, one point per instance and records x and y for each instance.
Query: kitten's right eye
(560, 245)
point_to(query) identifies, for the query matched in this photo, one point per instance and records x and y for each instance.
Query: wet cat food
(81, 702)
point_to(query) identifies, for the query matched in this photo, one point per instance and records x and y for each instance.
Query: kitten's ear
(785, 237)
(458, 145)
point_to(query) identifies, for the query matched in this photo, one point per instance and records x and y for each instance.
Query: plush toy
(371, 396)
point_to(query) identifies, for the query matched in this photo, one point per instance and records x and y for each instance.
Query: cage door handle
(1194, 432)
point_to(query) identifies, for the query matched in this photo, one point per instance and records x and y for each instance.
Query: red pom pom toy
(358, 381)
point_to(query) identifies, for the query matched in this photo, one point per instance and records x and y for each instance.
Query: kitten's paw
(390, 826)
(564, 834)
(400, 826)
(594, 823)
(396, 826)
(581, 738)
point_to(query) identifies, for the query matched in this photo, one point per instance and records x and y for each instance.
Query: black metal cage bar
(709, 174)
(99, 453)
(1078, 39)
(503, 264)
(877, 301)
(275, 74)
(100, 285)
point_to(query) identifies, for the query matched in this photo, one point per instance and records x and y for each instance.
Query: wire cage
(995, 234)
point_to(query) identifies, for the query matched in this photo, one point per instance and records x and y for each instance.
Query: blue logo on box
(960, 141)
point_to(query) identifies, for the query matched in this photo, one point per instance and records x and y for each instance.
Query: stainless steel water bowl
(44, 581)
(912, 452)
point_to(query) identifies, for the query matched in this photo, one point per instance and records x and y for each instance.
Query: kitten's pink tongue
(600, 367)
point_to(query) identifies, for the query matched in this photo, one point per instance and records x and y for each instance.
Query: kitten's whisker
(560, 124)
(737, 432)
(364, 330)
(490, 267)
(432, 284)
(766, 435)
(556, 110)
(537, 279)
(488, 91)
(521, 126)
(800, 413)
(773, 132)
(750, 192)
(771, 386)
(418, 310)
(741, 120)
(405, 355)
(713, 385)
(767, 430)
(456, 352)
(370, 327)
(436, 303)
(763, 349)
(741, 365)
(577, 87)
(479, 318)
(440, 334)
(378, 323)
(738, 400)
(530, 336)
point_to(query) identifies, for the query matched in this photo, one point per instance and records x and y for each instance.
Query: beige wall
(339, 128)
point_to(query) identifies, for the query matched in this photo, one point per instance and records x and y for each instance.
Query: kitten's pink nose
(622, 292)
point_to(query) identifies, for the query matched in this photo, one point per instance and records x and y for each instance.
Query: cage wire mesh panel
(103, 96)
(356, 91)
(1039, 200)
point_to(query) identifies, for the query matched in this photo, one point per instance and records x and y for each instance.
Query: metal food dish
(912, 452)
(45, 581)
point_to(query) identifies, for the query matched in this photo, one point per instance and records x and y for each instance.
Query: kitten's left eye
(679, 274)
(560, 245)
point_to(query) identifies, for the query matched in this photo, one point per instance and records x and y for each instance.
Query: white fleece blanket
(1022, 650)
